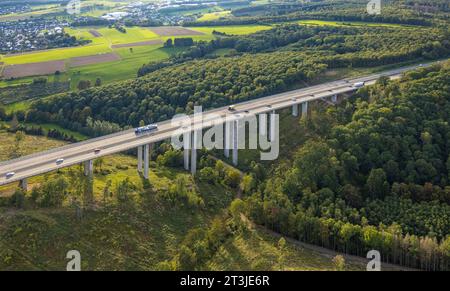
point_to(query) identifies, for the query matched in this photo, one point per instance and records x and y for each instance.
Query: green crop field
(214, 15)
(57, 54)
(96, 8)
(133, 34)
(120, 70)
(233, 29)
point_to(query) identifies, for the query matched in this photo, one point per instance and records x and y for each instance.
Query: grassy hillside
(132, 235)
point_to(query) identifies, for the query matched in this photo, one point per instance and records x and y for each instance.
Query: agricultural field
(37, 11)
(215, 15)
(97, 8)
(111, 55)
(174, 31)
(199, 11)
(98, 45)
(33, 69)
(123, 69)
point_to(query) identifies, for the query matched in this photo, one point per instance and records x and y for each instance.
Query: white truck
(10, 175)
(359, 84)
(146, 129)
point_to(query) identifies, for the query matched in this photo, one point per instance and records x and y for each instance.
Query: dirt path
(94, 59)
(34, 69)
(331, 254)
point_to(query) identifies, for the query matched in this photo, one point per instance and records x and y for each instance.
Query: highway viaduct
(265, 108)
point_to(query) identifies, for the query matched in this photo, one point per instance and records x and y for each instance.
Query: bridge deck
(76, 153)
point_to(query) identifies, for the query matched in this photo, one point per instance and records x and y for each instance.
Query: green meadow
(123, 69)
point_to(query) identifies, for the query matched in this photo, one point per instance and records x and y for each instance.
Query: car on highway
(59, 161)
(96, 151)
(10, 175)
(359, 84)
(231, 108)
(146, 129)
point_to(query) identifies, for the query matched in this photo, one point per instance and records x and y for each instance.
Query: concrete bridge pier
(295, 110)
(235, 135)
(194, 138)
(227, 138)
(139, 153)
(272, 126)
(89, 168)
(146, 161)
(262, 124)
(334, 98)
(24, 185)
(304, 109)
(186, 147)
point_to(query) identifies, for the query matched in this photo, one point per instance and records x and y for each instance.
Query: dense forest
(279, 59)
(161, 94)
(378, 179)
(336, 46)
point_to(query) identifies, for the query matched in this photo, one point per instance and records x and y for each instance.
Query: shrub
(17, 199)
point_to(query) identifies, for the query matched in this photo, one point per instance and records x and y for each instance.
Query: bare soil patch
(95, 33)
(141, 43)
(94, 59)
(174, 31)
(33, 69)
